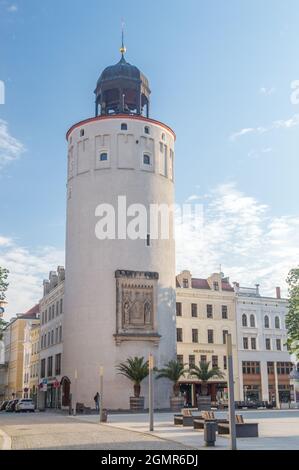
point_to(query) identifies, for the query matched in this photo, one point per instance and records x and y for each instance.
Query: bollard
(210, 428)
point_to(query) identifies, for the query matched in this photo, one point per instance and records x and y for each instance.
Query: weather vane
(123, 49)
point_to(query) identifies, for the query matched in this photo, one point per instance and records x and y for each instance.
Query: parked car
(4, 405)
(11, 406)
(25, 404)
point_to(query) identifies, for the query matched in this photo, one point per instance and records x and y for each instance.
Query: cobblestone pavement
(57, 432)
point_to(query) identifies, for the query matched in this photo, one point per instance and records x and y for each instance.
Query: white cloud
(27, 270)
(293, 121)
(239, 233)
(267, 91)
(12, 8)
(10, 147)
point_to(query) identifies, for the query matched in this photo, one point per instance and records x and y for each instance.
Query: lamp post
(75, 390)
(101, 392)
(151, 392)
(231, 397)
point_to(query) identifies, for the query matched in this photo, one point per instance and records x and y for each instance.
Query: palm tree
(203, 372)
(172, 371)
(135, 369)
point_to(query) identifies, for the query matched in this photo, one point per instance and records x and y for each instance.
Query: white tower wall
(90, 317)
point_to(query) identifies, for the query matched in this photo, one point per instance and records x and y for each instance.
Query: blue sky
(220, 75)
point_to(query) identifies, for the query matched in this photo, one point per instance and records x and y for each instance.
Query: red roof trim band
(119, 116)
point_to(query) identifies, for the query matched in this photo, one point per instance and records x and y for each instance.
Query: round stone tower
(120, 265)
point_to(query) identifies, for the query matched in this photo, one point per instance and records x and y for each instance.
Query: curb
(7, 441)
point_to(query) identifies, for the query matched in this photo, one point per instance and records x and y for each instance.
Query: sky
(221, 76)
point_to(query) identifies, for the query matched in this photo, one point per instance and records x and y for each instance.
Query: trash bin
(210, 428)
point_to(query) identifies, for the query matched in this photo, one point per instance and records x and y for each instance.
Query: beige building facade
(205, 314)
(31, 359)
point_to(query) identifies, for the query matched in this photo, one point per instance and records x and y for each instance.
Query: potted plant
(173, 371)
(135, 369)
(204, 373)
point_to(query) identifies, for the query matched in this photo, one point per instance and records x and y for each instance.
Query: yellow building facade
(205, 314)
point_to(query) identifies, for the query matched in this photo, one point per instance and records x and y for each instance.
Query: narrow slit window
(82, 133)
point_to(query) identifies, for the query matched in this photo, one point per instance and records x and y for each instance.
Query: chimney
(278, 293)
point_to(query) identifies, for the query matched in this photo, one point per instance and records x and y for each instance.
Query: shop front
(192, 389)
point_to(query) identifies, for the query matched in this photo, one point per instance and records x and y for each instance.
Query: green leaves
(292, 318)
(3, 282)
(134, 368)
(203, 372)
(173, 371)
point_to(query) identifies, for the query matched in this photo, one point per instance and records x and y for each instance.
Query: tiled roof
(200, 284)
(32, 312)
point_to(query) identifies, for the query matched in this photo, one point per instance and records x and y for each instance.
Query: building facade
(51, 338)
(205, 314)
(264, 362)
(31, 359)
(120, 288)
(14, 352)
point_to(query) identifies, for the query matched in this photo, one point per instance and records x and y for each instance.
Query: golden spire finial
(123, 49)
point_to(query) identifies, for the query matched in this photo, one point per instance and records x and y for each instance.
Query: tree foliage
(3, 282)
(292, 318)
(172, 371)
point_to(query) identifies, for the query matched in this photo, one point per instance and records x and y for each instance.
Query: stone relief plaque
(136, 293)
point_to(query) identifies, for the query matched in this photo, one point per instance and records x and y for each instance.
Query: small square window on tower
(124, 126)
(146, 159)
(146, 130)
(103, 157)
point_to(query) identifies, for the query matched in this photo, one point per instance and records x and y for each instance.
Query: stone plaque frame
(136, 306)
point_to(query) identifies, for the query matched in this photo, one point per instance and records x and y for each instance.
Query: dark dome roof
(122, 70)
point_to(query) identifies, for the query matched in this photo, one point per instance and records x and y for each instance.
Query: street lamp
(151, 392)
(101, 392)
(231, 397)
(75, 390)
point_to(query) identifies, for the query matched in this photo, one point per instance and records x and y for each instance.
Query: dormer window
(146, 130)
(216, 285)
(124, 126)
(103, 156)
(185, 283)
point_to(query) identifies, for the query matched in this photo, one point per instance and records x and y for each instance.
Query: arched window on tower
(244, 320)
(146, 159)
(266, 322)
(277, 322)
(252, 321)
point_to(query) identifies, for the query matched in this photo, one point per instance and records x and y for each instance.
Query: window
(46, 316)
(278, 344)
(61, 306)
(180, 359)
(224, 335)
(245, 343)
(52, 337)
(179, 335)
(49, 338)
(252, 321)
(57, 309)
(50, 366)
(103, 157)
(148, 240)
(56, 335)
(178, 309)
(161, 147)
(266, 322)
(244, 320)
(284, 368)
(194, 336)
(224, 362)
(253, 343)
(146, 130)
(185, 283)
(268, 344)
(277, 322)
(194, 310)
(214, 361)
(203, 358)
(251, 368)
(146, 159)
(163, 136)
(60, 334)
(124, 126)
(191, 360)
(209, 311)
(82, 132)
(210, 336)
(58, 364)
(224, 312)
(216, 285)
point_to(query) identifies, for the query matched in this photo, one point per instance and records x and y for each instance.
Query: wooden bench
(199, 423)
(242, 429)
(186, 418)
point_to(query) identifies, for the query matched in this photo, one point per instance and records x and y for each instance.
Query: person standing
(97, 401)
